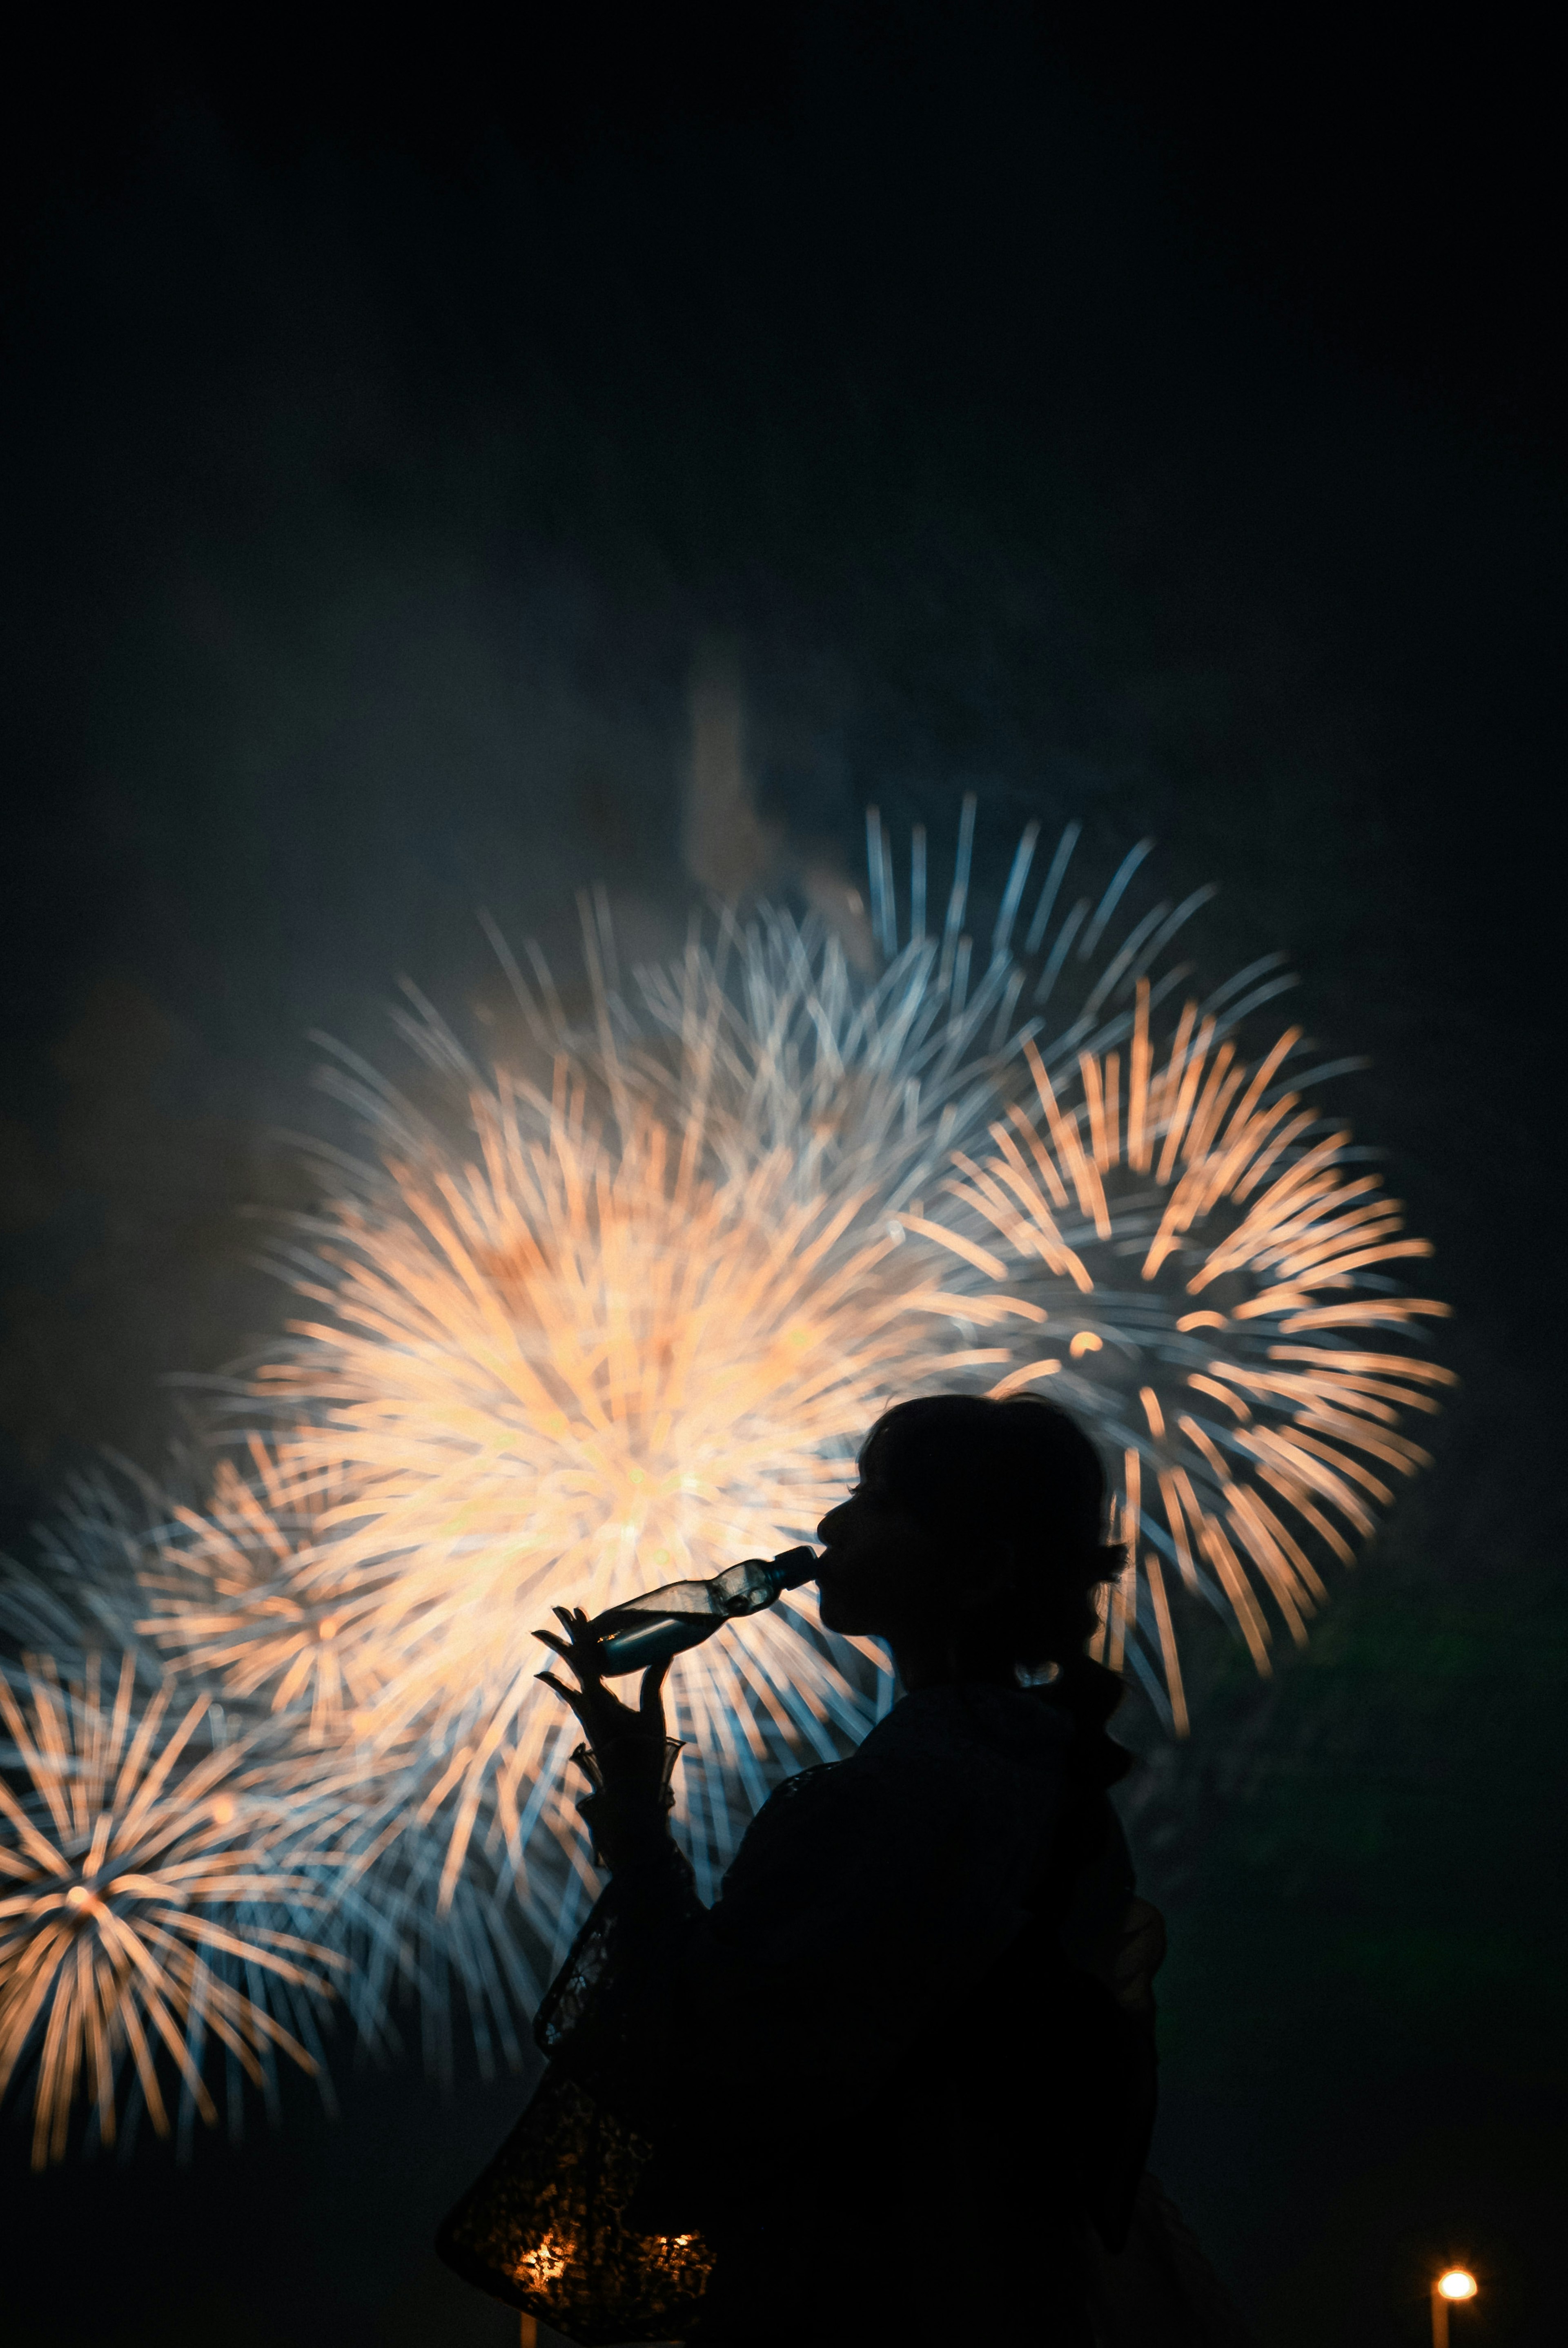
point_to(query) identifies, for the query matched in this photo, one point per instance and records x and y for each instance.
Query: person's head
(974, 1540)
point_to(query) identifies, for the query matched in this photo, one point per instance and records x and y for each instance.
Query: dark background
(1155, 421)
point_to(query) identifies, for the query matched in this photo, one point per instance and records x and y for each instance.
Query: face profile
(879, 1564)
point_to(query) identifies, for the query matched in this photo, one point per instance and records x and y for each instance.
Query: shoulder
(976, 1764)
(973, 1729)
(935, 1746)
(979, 1760)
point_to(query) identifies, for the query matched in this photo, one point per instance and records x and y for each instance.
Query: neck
(942, 1663)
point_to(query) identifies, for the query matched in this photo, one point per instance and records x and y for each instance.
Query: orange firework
(1212, 1267)
(143, 1872)
(576, 1360)
(251, 1591)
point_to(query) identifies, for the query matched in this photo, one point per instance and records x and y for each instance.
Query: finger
(588, 1657)
(581, 1637)
(572, 1696)
(548, 1639)
(651, 1702)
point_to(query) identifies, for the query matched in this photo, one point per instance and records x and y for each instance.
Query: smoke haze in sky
(401, 526)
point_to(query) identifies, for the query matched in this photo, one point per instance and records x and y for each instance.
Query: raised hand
(606, 1720)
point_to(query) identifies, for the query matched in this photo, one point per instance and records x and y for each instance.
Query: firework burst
(148, 1885)
(248, 1591)
(584, 1359)
(1210, 1266)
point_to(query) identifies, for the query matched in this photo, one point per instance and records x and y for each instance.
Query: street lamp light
(1453, 2284)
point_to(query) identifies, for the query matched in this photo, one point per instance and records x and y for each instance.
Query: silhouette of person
(898, 2081)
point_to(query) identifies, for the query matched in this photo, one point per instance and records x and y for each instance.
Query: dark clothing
(900, 2076)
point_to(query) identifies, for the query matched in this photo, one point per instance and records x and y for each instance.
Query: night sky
(1126, 422)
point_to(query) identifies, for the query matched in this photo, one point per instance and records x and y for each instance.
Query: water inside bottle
(637, 1642)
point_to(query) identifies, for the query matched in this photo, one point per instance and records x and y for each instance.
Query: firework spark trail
(247, 1591)
(142, 1880)
(1174, 1225)
(251, 1602)
(625, 1323)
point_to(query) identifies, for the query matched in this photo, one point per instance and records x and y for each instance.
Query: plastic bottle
(664, 1622)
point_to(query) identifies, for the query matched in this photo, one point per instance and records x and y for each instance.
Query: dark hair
(1019, 1471)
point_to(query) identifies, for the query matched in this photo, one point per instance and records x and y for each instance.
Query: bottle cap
(794, 1566)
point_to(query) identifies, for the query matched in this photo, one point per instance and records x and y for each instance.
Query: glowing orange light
(1458, 2283)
